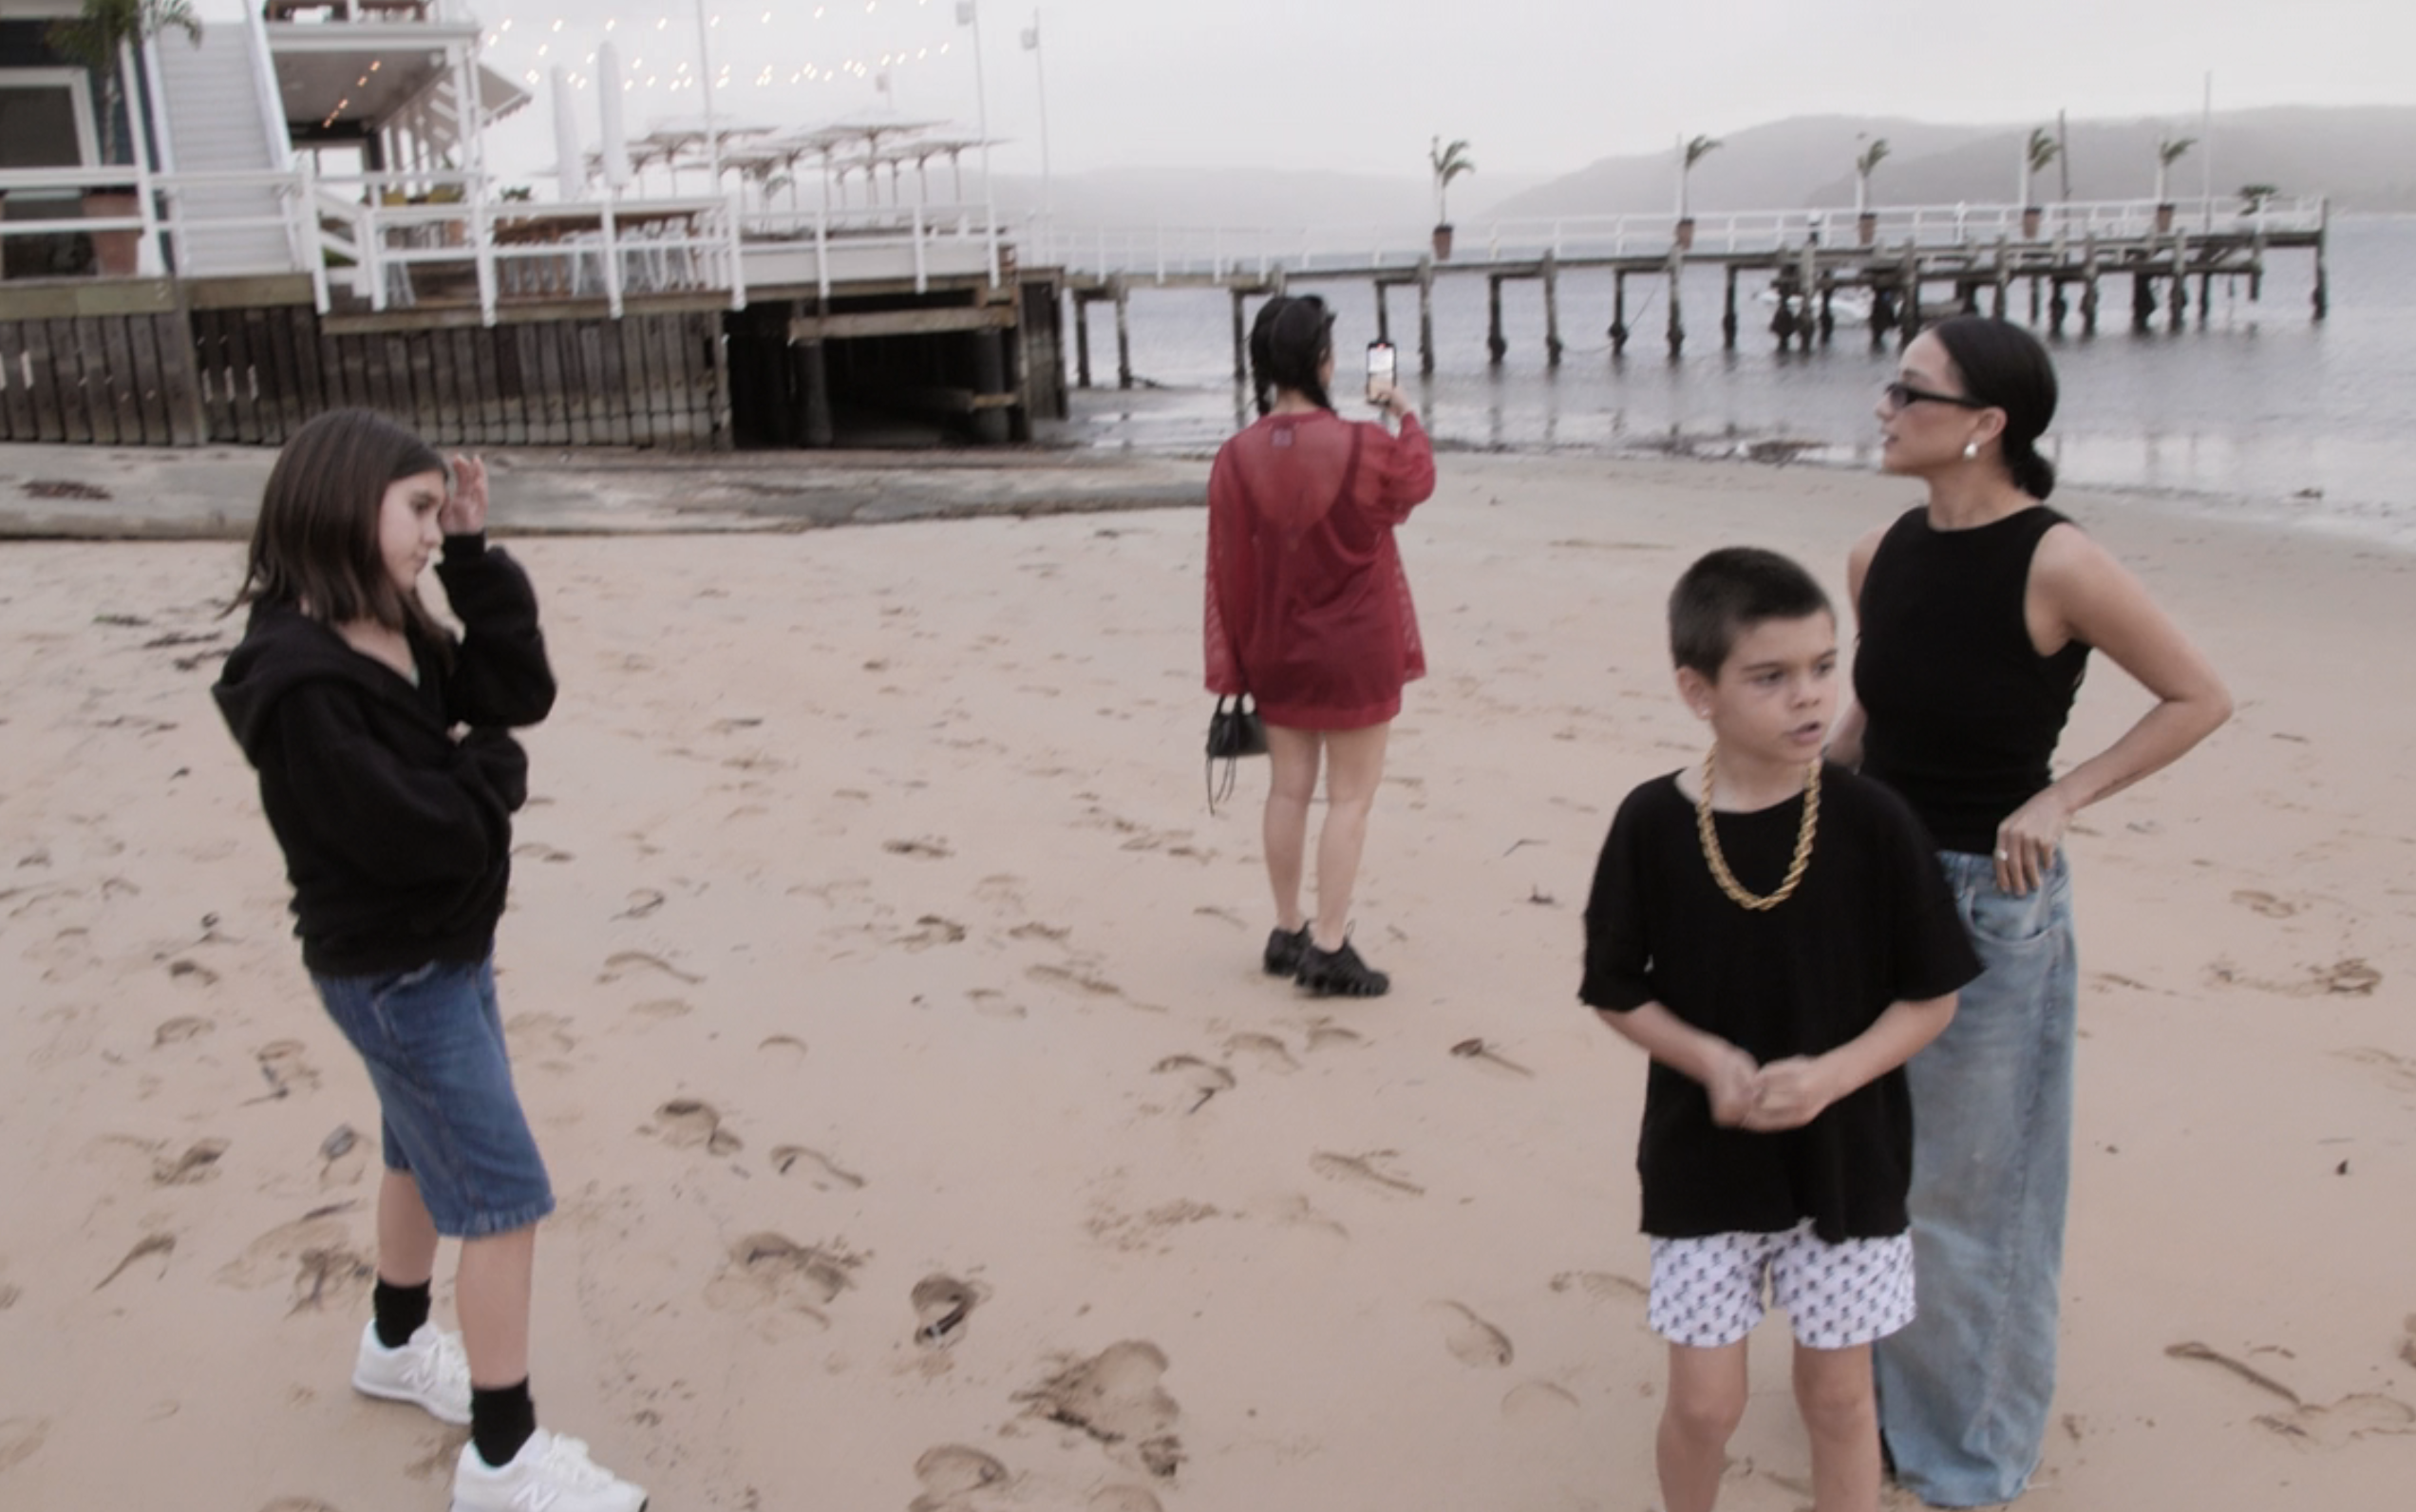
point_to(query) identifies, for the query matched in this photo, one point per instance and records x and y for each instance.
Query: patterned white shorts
(1707, 1292)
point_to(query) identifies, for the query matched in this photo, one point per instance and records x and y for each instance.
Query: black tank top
(1963, 712)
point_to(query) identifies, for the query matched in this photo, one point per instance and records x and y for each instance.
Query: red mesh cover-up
(1309, 609)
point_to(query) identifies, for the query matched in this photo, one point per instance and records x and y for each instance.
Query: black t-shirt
(1872, 924)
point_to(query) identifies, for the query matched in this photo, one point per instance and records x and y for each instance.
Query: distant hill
(2363, 157)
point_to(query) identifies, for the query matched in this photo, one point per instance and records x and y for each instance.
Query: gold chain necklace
(1719, 864)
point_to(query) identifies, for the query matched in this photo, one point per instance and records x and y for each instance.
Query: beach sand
(876, 971)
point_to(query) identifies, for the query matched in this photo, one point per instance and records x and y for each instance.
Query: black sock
(401, 1310)
(501, 1419)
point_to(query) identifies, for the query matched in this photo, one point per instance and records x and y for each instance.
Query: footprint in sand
(176, 1030)
(2398, 1071)
(192, 972)
(534, 1036)
(284, 1069)
(661, 1010)
(2265, 903)
(685, 1122)
(198, 1162)
(949, 1474)
(8, 1296)
(21, 1439)
(767, 1271)
(1123, 1499)
(1076, 980)
(816, 1167)
(1366, 1171)
(2349, 978)
(629, 963)
(923, 848)
(1602, 1286)
(1539, 1402)
(1325, 1035)
(1198, 1075)
(1472, 1340)
(928, 931)
(314, 1254)
(1272, 1052)
(298, 1503)
(786, 1049)
(539, 851)
(342, 1156)
(642, 902)
(1114, 1397)
(942, 1303)
(992, 1002)
(161, 1245)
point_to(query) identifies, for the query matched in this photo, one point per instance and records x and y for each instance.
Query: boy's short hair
(1727, 593)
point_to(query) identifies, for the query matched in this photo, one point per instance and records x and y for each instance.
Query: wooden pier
(1913, 267)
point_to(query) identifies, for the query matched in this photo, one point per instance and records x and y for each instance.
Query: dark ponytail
(2004, 367)
(1289, 345)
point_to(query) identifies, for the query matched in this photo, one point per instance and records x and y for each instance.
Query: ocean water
(2259, 411)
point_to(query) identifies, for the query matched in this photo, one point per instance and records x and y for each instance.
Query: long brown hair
(315, 545)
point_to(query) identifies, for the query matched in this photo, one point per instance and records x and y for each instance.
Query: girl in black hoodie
(389, 775)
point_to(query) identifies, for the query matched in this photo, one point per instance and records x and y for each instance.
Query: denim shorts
(433, 1040)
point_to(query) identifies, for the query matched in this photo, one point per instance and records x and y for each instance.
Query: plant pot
(1683, 234)
(1866, 227)
(115, 254)
(2163, 220)
(1442, 244)
(2031, 215)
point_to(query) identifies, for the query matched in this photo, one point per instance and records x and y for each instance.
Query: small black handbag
(1232, 733)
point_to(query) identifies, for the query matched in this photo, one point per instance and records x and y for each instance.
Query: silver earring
(1971, 450)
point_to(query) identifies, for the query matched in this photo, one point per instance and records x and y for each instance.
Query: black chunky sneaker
(1339, 974)
(1284, 950)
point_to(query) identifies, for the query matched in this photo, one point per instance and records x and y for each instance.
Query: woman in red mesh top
(1309, 613)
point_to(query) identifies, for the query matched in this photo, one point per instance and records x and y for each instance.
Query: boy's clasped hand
(1784, 1094)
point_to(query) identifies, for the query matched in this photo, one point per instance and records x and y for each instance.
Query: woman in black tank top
(1976, 614)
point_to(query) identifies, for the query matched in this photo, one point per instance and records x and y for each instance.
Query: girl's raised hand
(465, 511)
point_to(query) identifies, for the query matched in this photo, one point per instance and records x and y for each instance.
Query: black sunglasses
(1900, 394)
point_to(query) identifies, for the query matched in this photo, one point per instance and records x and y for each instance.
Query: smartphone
(1384, 366)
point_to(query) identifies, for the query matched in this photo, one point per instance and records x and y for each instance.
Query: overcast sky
(1536, 86)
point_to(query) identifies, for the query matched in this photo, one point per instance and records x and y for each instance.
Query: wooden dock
(1915, 266)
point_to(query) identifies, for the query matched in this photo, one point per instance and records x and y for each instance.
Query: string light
(773, 34)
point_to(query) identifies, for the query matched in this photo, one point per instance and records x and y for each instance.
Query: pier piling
(1241, 338)
(2321, 297)
(1383, 316)
(813, 372)
(1618, 331)
(1426, 313)
(1082, 339)
(1728, 314)
(1551, 310)
(1123, 335)
(1496, 346)
(1677, 314)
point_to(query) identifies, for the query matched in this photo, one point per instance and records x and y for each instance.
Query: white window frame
(78, 83)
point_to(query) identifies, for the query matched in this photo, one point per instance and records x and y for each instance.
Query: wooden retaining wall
(250, 374)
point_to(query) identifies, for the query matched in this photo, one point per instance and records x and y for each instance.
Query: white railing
(916, 230)
(1225, 252)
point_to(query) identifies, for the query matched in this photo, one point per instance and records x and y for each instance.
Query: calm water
(2262, 412)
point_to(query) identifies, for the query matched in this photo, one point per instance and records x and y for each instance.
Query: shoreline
(210, 494)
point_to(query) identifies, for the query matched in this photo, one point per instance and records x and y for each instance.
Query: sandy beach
(886, 999)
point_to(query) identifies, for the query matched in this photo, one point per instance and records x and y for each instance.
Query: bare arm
(1846, 740)
(2088, 595)
(1726, 1071)
(1792, 1092)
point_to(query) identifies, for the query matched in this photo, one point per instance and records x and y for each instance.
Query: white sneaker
(550, 1474)
(431, 1372)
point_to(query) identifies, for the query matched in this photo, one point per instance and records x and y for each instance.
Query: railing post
(822, 252)
(737, 244)
(483, 251)
(611, 227)
(922, 274)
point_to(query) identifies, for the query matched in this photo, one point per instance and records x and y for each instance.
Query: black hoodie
(397, 831)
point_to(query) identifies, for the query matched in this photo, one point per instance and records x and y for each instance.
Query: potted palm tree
(2039, 152)
(98, 38)
(2168, 152)
(1866, 220)
(1690, 153)
(1448, 163)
